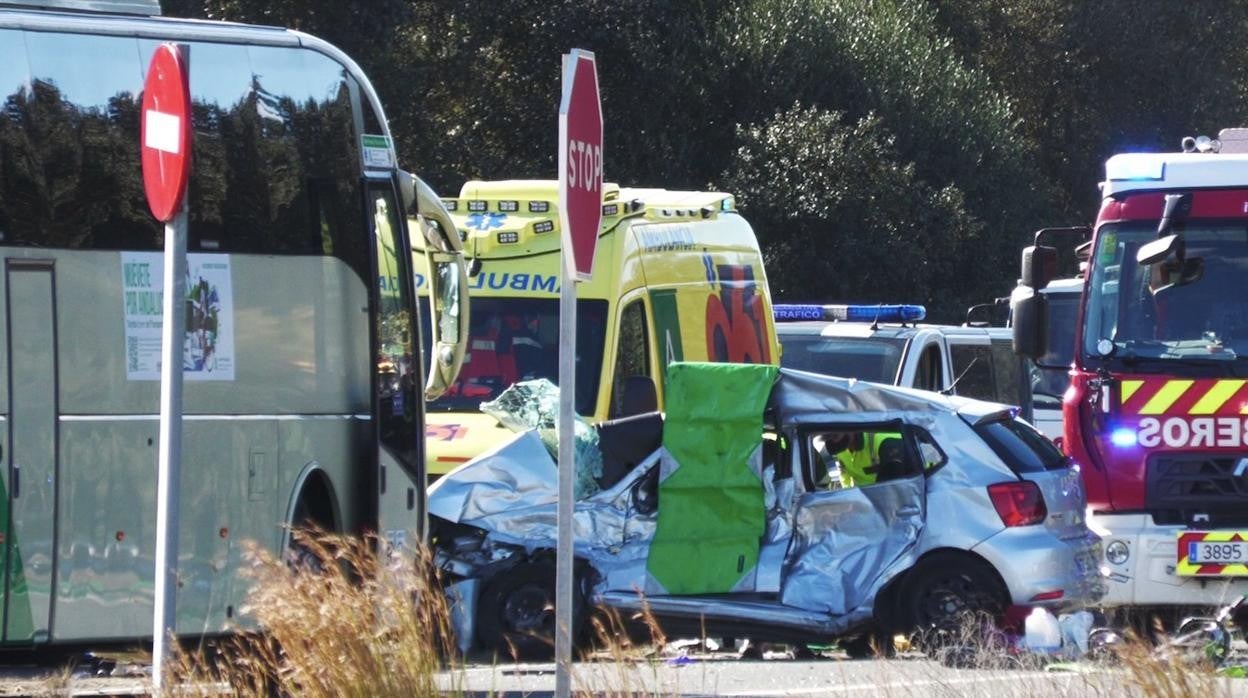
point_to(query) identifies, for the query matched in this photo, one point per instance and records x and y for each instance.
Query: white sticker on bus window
(208, 348)
(377, 152)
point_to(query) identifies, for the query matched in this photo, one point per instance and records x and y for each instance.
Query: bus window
(632, 356)
(74, 131)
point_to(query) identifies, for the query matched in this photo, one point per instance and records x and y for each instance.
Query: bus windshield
(517, 339)
(1149, 313)
(874, 359)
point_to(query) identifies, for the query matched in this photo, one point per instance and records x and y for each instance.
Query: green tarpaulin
(711, 510)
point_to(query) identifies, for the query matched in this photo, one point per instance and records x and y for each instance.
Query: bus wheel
(308, 520)
(516, 613)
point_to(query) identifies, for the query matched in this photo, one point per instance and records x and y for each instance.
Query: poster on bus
(208, 352)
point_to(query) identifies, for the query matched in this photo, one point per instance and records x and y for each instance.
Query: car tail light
(1018, 503)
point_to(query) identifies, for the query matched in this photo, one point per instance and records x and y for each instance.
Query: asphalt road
(723, 674)
(917, 677)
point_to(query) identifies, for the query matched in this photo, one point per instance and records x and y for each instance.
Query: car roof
(864, 330)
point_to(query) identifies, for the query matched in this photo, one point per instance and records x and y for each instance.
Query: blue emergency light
(850, 313)
(1128, 167)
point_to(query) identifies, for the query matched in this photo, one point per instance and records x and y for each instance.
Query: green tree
(840, 221)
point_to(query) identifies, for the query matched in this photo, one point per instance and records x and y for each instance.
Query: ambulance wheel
(947, 595)
(516, 613)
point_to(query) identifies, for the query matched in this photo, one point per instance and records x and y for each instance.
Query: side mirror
(1030, 320)
(1039, 266)
(1159, 250)
(448, 301)
(447, 273)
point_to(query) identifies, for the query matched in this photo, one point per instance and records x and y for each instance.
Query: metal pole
(168, 479)
(567, 478)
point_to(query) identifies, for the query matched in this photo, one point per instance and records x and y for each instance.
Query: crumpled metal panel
(843, 541)
(779, 498)
(804, 398)
(518, 474)
(743, 610)
(512, 494)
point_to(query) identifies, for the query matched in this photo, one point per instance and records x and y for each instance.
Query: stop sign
(165, 131)
(580, 160)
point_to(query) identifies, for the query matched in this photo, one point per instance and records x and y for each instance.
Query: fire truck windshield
(1196, 315)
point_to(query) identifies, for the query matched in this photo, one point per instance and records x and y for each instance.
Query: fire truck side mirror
(1039, 266)
(1158, 250)
(1029, 319)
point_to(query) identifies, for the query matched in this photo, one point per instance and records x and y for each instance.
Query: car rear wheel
(946, 595)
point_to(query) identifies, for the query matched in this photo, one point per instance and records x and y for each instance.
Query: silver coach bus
(303, 399)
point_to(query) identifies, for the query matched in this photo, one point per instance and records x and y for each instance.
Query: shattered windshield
(872, 359)
(1197, 315)
(517, 339)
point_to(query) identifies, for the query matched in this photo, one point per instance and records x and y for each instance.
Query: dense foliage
(885, 150)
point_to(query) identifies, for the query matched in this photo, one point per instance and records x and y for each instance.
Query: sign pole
(580, 219)
(567, 478)
(169, 469)
(165, 144)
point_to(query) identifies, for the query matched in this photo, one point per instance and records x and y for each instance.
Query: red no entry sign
(165, 132)
(580, 159)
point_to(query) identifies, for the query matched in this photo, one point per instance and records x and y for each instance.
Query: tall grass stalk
(341, 621)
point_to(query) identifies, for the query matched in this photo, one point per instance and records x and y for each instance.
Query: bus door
(30, 449)
(398, 405)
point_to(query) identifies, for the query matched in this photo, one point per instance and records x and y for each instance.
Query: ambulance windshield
(517, 339)
(1139, 313)
(874, 359)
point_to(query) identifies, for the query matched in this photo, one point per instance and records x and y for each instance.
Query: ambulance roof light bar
(849, 313)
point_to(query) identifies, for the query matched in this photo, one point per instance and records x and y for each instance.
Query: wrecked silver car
(777, 505)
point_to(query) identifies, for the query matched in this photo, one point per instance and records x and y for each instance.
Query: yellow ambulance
(678, 276)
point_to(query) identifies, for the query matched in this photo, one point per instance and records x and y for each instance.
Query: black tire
(945, 592)
(516, 611)
(869, 645)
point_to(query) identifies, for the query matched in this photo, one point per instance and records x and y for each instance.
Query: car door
(849, 534)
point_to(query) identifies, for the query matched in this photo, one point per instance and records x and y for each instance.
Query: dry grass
(344, 622)
(353, 624)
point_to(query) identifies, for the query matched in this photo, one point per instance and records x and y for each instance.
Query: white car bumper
(1148, 576)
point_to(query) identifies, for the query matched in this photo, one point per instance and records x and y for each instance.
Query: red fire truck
(1157, 409)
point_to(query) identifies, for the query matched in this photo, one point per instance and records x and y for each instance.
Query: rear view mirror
(1039, 266)
(1030, 322)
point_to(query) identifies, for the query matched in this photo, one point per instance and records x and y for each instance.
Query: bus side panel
(300, 340)
(31, 539)
(107, 524)
(338, 448)
(108, 537)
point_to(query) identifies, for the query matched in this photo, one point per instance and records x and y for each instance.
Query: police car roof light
(849, 313)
